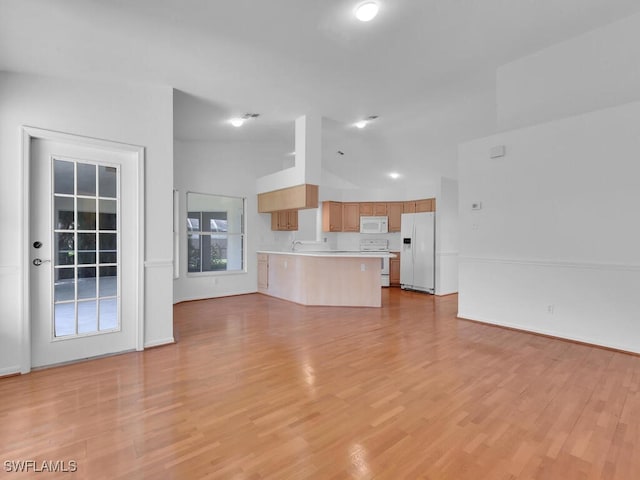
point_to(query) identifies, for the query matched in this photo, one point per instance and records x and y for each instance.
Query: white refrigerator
(417, 258)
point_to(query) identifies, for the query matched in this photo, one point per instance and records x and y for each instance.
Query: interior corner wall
(224, 169)
(117, 112)
(596, 70)
(554, 248)
(447, 237)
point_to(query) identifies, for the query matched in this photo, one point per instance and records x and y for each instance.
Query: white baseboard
(445, 293)
(11, 370)
(157, 343)
(200, 297)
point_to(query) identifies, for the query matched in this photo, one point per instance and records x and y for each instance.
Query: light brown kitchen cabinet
(366, 209)
(345, 217)
(409, 207)
(394, 270)
(284, 220)
(350, 217)
(380, 209)
(394, 212)
(291, 198)
(331, 216)
(263, 271)
(292, 219)
(425, 205)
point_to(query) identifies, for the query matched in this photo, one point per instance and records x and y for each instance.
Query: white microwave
(374, 224)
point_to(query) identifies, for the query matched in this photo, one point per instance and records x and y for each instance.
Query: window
(215, 233)
(86, 255)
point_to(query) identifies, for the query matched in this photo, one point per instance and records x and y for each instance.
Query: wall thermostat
(497, 151)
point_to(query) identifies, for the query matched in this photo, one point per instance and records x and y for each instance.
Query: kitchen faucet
(294, 243)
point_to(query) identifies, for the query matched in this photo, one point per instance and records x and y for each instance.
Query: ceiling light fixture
(366, 11)
(394, 175)
(363, 123)
(239, 121)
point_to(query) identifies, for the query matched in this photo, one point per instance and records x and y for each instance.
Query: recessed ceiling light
(394, 175)
(365, 122)
(239, 121)
(366, 11)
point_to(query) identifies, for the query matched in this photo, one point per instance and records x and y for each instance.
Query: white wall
(397, 192)
(555, 247)
(308, 158)
(595, 70)
(124, 113)
(225, 169)
(447, 237)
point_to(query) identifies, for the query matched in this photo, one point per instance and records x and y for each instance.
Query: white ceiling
(427, 67)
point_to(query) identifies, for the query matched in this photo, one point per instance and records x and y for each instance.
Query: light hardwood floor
(259, 388)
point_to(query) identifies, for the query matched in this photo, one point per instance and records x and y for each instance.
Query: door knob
(38, 261)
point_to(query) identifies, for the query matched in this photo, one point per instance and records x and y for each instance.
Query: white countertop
(331, 253)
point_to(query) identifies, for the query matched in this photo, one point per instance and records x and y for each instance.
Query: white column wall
(447, 237)
(123, 113)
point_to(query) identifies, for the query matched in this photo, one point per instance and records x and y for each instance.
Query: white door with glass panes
(83, 250)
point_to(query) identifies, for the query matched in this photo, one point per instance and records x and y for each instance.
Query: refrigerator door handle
(413, 249)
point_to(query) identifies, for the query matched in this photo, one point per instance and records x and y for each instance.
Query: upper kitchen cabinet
(350, 217)
(366, 209)
(380, 209)
(331, 216)
(292, 198)
(345, 217)
(284, 220)
(426, 205)
(394, 212)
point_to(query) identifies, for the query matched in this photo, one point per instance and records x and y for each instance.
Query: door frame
(28, 134)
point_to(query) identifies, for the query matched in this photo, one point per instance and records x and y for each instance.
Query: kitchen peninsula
(322, 277)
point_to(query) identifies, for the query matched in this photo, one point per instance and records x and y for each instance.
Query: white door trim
(28, 133)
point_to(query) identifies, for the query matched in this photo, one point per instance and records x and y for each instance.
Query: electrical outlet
(550, 309)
